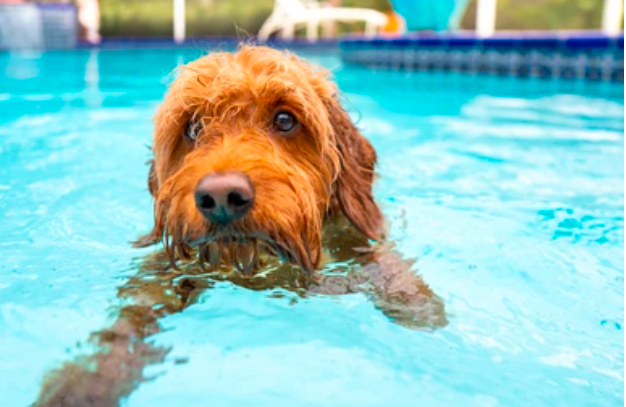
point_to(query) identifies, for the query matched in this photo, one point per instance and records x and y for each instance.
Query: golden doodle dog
(260, 178)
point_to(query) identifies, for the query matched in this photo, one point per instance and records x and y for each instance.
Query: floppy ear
(353, 188)
(153, 183)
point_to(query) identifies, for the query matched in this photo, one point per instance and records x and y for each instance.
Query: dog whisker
(245, 257)
(202, 255)
(242, 250)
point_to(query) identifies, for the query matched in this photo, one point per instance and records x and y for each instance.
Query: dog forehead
(255, 70)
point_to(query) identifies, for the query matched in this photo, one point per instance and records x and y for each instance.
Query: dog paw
(417, 311)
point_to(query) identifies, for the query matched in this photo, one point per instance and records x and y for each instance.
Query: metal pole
(486, 18)
(179, 21)
(612, 17)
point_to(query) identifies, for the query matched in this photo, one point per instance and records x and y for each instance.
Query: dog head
(252, 152)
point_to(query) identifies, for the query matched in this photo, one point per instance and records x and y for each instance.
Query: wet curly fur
(325, 168)
(313, 190)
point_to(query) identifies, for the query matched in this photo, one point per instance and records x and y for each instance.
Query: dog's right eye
(192, 129)
(285, 122)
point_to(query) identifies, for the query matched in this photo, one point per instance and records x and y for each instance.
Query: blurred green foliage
(203, 17)
(541, 14)
(245, 17)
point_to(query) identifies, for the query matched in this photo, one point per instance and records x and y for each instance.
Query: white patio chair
(288, 14)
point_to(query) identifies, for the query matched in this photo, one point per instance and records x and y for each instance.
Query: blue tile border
(549, 41)
(577, 55)
(582, 43)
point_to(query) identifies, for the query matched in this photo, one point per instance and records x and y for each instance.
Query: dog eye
(193, 129)
(285, 122)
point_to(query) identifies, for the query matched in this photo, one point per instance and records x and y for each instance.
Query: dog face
(252, 152)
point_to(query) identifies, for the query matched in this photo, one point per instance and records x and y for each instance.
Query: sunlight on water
(513, 205)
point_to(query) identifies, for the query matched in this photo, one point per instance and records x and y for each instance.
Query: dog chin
(247, 253)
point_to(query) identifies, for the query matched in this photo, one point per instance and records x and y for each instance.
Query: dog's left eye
(285, 122)
(193, 129)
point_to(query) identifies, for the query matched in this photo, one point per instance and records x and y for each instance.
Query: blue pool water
(509, 193)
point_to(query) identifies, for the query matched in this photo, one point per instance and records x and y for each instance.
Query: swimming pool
(509, 193)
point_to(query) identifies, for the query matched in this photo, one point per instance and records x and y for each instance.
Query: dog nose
(224, 197)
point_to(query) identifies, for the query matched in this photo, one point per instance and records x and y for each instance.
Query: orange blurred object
(395, 24)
